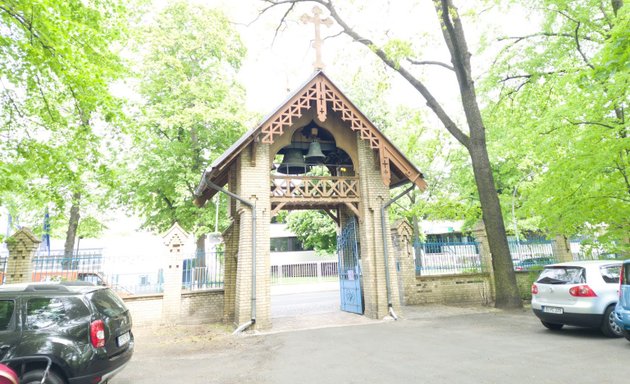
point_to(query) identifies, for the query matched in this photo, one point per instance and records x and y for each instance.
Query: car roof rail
(46, 287)
(77, 283)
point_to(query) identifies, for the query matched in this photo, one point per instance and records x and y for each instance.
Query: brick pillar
(253, 186)
(174, 240)
(22, 246)
(561, 249)
(479, 231)
(230, 237)
(402, 241)
(374, 193)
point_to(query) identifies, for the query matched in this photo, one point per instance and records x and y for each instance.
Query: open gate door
(349, 269)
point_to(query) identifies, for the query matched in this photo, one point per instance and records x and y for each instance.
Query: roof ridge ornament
(317, 42)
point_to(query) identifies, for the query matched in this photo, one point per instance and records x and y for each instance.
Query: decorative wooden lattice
(322, 188)
(323, 95)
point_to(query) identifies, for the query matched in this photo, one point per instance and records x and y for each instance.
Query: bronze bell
(315, 154)
(293, 163)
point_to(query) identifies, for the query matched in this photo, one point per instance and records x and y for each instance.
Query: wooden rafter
(323, 95)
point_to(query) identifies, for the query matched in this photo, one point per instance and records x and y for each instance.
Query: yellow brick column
(174, 240)
(561, 249)
(374, 194)
(402, 240)
(253, 186)
(22, 246)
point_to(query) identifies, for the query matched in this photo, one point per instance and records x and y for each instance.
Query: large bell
(293, 163)
(315, 154)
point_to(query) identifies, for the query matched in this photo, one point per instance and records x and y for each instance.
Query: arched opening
(313, 152)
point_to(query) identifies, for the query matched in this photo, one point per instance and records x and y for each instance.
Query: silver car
(579, 293)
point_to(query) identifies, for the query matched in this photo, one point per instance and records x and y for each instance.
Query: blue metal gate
(349, 269)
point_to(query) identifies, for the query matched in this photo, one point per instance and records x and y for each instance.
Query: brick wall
(452, 290)
(206, 306)
(471, 289)
(524, 281)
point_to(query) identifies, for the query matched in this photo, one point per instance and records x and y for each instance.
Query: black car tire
(626, 334)
(609, 327)
(552, 326)
(35, 377)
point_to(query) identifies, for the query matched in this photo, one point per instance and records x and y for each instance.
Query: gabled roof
(318, 92)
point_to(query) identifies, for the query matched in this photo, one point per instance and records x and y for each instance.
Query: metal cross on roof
(317, 43)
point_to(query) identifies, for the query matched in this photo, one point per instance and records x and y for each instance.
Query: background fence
(432, 258)
(304, 272)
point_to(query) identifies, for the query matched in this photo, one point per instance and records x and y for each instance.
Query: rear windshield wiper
(551, 280)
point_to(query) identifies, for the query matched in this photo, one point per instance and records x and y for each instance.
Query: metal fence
(305, 272)
(210, 275)
(89, 265)
(447, 258)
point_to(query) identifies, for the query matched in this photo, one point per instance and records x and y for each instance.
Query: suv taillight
(97, 333)
(582, 291)
(534, 289)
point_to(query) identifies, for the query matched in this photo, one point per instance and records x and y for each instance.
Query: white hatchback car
(579, 293)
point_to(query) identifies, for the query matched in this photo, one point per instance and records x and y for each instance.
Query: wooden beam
(354, 209)
(331, 215)
(277, 209)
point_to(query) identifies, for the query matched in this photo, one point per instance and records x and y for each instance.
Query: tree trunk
(73, 225)
(507, 293)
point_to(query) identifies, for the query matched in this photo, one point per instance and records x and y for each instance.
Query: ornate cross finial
(317, 43)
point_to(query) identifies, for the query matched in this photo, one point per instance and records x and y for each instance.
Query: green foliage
(315, 230)
(398, 50)
(57, 113)
(191, 113)
(559, 126)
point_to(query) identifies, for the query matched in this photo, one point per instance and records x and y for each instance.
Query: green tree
(399, 55)
(315, 230)
(560, 120)
(191, 113)
(58, 62)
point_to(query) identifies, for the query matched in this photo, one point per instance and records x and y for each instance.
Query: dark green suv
(67, 333)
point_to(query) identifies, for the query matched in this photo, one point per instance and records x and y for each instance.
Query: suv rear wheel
(609, 326)
(35, 377)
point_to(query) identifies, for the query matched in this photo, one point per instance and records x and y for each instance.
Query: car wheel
(626, 334)
(35, 377)
(610, 328)
(552, 326)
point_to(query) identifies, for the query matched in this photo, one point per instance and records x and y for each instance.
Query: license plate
(556, 310)
(123, 339)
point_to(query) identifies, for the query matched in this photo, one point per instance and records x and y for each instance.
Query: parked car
(532, 263)
(60, 333)
(622, 310)
(579, 293)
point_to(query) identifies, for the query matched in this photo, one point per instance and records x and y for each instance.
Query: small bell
(315, 154)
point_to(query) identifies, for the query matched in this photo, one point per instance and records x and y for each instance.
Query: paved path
(432, 344)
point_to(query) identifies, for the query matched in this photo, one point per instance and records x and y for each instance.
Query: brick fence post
(479, 231)
(174, 240)
(402, 240)
(561, 249)
(22, 246)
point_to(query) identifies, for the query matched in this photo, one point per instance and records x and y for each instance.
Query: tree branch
(579, 48)
(432, 103)
(518, 39)
(430, 62)
(590, 123)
